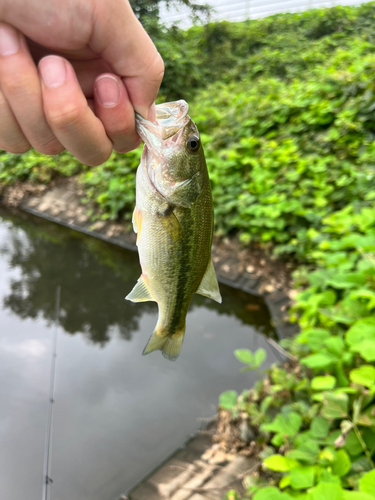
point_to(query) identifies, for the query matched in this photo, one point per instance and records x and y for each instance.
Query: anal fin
(140, 292)
(170, 224)
(209, 286)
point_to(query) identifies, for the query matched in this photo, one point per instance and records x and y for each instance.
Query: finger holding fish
(115, 111)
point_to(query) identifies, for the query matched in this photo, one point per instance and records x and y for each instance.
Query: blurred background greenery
(286, 109)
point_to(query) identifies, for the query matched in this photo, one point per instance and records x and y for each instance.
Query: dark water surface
(117, 414)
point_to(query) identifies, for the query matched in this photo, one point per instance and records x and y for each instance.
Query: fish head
(173, 153)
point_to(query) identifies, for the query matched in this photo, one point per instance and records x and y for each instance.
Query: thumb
(122, 42)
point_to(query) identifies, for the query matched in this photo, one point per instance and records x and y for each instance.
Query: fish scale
(173, 219)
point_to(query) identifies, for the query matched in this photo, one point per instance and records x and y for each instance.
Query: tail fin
(169, 345)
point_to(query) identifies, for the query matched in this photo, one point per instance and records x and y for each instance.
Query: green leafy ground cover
(313, 419)
(286, 109)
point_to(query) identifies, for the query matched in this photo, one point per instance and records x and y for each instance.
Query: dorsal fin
(209, 286)
(140, 292)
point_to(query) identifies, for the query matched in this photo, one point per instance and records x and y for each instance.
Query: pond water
(117, 414)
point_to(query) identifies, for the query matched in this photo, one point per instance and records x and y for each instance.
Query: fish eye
(193, 143)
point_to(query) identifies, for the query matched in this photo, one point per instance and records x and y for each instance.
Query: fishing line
(48, 439)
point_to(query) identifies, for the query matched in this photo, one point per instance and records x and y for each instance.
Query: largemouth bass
(173, 219)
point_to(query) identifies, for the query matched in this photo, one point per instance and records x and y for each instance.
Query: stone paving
(187, 475)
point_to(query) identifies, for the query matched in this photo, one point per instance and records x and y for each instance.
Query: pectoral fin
(140, 292)
(137, 222)
(209, 286)
(170, 224)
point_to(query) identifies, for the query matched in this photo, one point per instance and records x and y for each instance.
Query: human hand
(72, 73)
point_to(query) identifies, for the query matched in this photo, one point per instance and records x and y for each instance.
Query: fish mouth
(171, 119)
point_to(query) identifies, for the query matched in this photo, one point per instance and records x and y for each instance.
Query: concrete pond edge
(62, 205)
(187, 475)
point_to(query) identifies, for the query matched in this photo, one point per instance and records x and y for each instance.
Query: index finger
(122, 41)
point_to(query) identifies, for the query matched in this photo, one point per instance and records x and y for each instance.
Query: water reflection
(118, 414)
(91, 274)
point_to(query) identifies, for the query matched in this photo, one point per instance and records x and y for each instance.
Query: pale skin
(72, 74)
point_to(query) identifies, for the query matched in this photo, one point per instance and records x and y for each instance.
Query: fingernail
(9, 41)
(108, 91)
(53, 71)
(151, 116)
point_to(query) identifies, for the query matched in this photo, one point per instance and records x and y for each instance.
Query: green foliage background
(314, 419)
(286, 109)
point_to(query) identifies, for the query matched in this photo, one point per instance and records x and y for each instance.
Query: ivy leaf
(367, 419)
(335, 345)
(327, 456)
(320, 427)
(314, 337)
(279, 463)
(259, 356)
(302, 456)
(365, 375)
(323, 383)
(356, 495)
(369, 438)
(302, 477)
(266, 403)
(319, 360)
(365, 294)
(326, 476)
(352, 444)
(286, 425)
(326, 491)
(369, 413)
(366, 348)
(278, 440)
(309, 446)
(347, 280)
(228, 400)
(361, 330)
(342, 464)
(361, 465)
(367, 483)
(244, 355)
(335, 405)
(284, 482)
